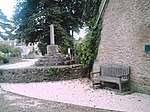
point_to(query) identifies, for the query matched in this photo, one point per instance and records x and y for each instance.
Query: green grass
(12, 60)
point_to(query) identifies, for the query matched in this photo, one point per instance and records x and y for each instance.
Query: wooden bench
(112, 73)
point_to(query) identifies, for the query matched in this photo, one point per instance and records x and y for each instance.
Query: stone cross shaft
(52, 41)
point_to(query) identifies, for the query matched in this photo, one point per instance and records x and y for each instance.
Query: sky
(7, 7)
(81, 34)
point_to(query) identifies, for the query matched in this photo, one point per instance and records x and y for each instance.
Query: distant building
(27, 51)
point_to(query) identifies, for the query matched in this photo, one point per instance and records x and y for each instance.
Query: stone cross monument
(53, 57)
(52, 41)
(52, 47)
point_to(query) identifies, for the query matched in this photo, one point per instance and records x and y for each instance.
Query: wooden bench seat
(112, 73)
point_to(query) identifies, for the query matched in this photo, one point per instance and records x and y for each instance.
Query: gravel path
(78, 92)
(24, 64)
(10, 102)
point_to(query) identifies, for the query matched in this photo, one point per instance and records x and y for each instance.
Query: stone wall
(126, 30)
(40, 74)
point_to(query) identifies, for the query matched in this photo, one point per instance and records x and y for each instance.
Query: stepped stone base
(52, 58)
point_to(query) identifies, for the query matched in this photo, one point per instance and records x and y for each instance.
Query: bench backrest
(114, 70)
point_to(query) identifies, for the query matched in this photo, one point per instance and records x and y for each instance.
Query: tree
(87, 48)
(6, 27)
(91, 12)
(35, 16)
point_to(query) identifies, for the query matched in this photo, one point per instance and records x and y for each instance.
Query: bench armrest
(94, 73)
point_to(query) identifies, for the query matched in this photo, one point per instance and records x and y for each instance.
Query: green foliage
(83, 50)
(91, 42)
(6, 27)
(1, 73)
(91, 12)
(56, 71)
(6, 48)
(15, 52)
(5, 59)
(1, 55)
(53, 71)
(87, 48)
(42, 47)
(35, 16)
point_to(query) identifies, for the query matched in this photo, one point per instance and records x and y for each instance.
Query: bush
(87, 48)
(15, 52)
(1, 55)
(6, 48)
(42, 48)
(5, 59)
(84, 53)
(10, 50)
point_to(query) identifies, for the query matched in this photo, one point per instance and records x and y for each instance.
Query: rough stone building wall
(126, 30)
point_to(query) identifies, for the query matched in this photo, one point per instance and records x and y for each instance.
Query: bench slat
(110, 79)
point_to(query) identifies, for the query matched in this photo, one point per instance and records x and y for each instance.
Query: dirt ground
(79, 92)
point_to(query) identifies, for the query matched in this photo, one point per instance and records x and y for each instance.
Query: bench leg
(128, 86)
(92, 83)
(120, 88)
(101, 85)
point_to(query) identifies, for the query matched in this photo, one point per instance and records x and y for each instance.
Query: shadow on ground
(10, 102)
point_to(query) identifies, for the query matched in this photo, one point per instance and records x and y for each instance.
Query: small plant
(53, 71)
(1, 55)
(5, 59)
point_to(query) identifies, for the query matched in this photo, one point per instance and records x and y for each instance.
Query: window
(147, 48)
